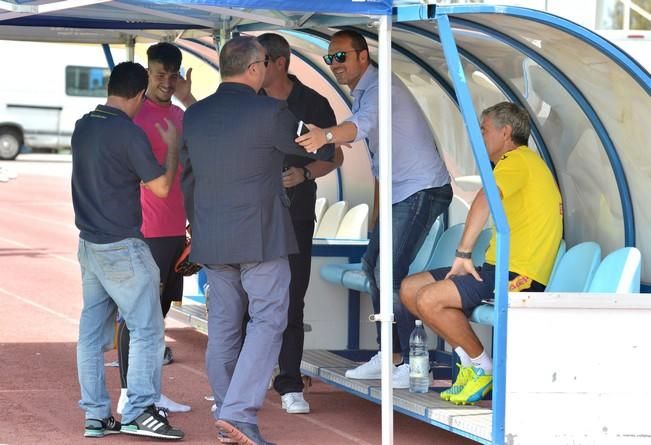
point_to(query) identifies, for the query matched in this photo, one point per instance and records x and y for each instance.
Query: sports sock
(484, 362)
(463, 356)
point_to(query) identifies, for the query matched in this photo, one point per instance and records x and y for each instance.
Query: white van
(45, 90)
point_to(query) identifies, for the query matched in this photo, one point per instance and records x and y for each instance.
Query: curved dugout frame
(621, 188)
(594, 95)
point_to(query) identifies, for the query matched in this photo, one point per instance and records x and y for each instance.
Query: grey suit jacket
(232, 151)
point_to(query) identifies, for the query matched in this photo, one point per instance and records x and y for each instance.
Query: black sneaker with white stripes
(101, 427)
(152, 424)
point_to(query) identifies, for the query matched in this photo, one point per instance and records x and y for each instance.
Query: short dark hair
(127, 80)
(276, 46)
(167, 54)
(507, 113)
(358, 40)
(238, 54)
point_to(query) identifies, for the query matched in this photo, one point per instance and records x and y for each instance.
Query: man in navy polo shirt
(111, 158)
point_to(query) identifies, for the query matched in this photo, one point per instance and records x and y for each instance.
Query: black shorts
(166, 251)
(472, 292)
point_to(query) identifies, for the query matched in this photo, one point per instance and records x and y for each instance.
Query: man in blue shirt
(111, 157)
(420, 180)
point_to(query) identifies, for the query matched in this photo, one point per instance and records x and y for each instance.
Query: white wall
(571, 369)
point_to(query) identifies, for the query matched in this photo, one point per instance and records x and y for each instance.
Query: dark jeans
(291, 352)
(412, 220)
(165, 251)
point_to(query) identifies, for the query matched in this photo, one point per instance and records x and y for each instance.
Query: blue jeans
(412, 219)
(124, 276)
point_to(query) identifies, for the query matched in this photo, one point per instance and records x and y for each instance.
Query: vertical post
(497, 211)
(626, 26)
(109, 57)
(386, 232)
(131, 49)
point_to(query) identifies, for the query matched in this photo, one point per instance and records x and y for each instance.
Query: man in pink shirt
(163, 219)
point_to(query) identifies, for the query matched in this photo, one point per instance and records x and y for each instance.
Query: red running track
(40, 295)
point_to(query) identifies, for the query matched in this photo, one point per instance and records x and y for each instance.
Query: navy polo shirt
(110, 156)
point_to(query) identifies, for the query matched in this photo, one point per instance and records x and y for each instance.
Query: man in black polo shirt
(298, 179)
(111, 157)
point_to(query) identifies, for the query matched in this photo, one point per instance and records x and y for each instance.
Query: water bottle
(418, 360)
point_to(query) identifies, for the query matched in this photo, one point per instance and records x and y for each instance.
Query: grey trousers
(240, 378)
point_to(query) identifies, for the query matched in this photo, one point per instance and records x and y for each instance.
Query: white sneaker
(294, 403)
(401, 376)
(171, 406)
(122, 401)
(369, 370)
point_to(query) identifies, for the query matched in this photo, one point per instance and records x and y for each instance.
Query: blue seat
(443, 254)
(484, 314)
(576, 268)
(356, 280)
(427, 249)
(619, 272)
(481, 246)
(333, 273)
(562, 248)
(351, 276)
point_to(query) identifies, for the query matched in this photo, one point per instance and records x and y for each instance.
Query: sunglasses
(339, 56)
(265, 61)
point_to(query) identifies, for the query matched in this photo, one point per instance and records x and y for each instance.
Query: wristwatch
(329, 136)
(307, 174)
(460, 254)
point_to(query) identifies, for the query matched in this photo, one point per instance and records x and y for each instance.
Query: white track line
(40, 306)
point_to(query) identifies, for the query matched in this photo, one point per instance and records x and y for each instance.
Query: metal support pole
(131, 49)
(386, 232)
(109, 57)
(497, 211)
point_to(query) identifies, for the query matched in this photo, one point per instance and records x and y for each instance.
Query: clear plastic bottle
(418, 360)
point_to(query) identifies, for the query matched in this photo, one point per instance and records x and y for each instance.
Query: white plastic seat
(331, 220)
(354, 225)
(320, 207)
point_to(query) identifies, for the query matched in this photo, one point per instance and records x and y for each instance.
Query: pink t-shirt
(161, 216)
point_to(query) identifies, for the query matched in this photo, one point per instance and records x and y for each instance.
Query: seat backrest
(562, 248)
(481, 245)
(425, 252)
(576, 268)
(320, 207)
(443, 255)
(457, 211)
(331, 220)
(354, 225)
(619, 272)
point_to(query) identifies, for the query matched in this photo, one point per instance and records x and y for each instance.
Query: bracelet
(460, 254)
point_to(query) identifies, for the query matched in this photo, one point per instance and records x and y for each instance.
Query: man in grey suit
(234, 143)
